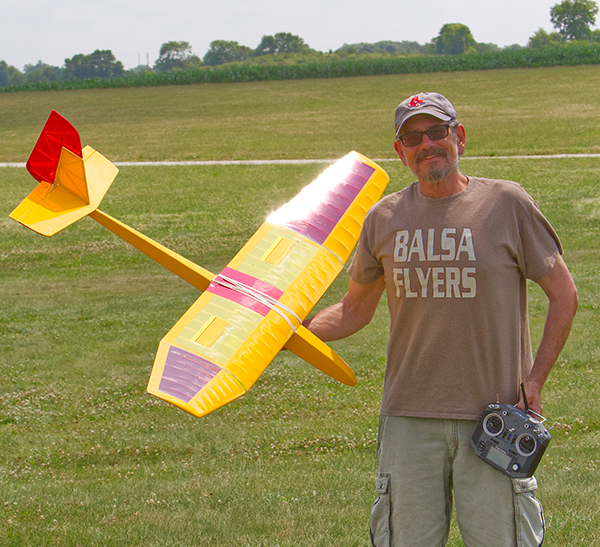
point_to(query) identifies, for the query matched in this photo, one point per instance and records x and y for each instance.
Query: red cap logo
(415, 102)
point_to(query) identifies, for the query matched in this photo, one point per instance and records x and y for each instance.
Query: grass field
(506, 112)
(87, 458)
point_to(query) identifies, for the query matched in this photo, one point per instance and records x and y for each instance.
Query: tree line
(572, 21)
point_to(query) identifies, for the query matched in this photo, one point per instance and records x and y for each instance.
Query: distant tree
(41, 72)
(430, 48)
(454, 38)
(405, 46)
(176, 55)
(9, 75)
(267, 46)
(573, 19)
(485, 48)
(352, 48)
(222, 51)
(282, 42)
(385, 46)
(100, 64)
(544, 39)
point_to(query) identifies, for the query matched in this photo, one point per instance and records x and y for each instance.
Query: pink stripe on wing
(241, 298)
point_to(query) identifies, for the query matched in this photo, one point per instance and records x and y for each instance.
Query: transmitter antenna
(524, 397)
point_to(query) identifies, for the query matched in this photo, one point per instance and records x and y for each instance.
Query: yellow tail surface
(78, 188)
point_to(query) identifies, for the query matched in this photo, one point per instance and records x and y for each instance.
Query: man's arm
(354, 312)
(560, 289)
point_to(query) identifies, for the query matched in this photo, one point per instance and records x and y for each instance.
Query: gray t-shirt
(455, 271)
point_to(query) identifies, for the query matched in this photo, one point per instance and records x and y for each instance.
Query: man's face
(431, 161)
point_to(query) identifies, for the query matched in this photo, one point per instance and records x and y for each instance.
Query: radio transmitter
(510, 440)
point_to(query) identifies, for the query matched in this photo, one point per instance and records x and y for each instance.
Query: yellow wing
(255, 306)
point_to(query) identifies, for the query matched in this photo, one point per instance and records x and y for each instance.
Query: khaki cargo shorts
(426, 467)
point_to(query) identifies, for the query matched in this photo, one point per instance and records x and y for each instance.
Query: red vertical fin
(57, 133)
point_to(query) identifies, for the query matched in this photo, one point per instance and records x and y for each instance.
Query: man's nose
(426, 141)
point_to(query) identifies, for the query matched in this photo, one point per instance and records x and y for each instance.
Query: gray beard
(437, 175)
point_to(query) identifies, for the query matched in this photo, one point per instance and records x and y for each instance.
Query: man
(453, 254)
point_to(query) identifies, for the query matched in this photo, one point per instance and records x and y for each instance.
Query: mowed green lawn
(88, 458)
(507, 112)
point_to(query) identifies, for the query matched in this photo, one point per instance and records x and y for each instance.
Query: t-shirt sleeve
(540, 243)
(365, 267)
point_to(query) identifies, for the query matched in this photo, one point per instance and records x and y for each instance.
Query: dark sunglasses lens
(435, 133)
(412, 139)
(438, 132)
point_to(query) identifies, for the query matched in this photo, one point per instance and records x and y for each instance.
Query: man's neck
(453, 184)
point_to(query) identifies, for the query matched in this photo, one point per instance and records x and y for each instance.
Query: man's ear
(460, 139)
(398, 147)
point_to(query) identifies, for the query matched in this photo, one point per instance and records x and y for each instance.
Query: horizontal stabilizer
(78, 188)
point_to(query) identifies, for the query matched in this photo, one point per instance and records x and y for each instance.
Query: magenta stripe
(185, 374)
(238, 297)
(253, 282)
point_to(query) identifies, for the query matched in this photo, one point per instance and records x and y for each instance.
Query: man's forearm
(562, 306)
(350, 315)
(333, 323)
(556, 331)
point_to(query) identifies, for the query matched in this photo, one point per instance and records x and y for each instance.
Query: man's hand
(354, 312)
(534, 397)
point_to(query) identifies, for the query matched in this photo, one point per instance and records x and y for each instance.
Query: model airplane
(256, 305)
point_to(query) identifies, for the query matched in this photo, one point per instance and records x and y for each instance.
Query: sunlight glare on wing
(300, 206)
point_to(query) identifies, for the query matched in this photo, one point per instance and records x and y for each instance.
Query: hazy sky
(52, 30)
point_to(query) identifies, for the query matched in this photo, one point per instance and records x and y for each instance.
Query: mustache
(421, 155)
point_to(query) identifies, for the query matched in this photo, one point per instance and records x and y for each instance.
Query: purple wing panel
(185, 374)
(321, 216)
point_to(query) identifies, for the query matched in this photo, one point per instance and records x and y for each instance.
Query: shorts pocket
(380, 513)
(529, 514)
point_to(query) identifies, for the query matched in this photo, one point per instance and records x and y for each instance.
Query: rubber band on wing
(259, 296)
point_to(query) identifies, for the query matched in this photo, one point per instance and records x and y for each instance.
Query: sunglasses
(435, 133)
